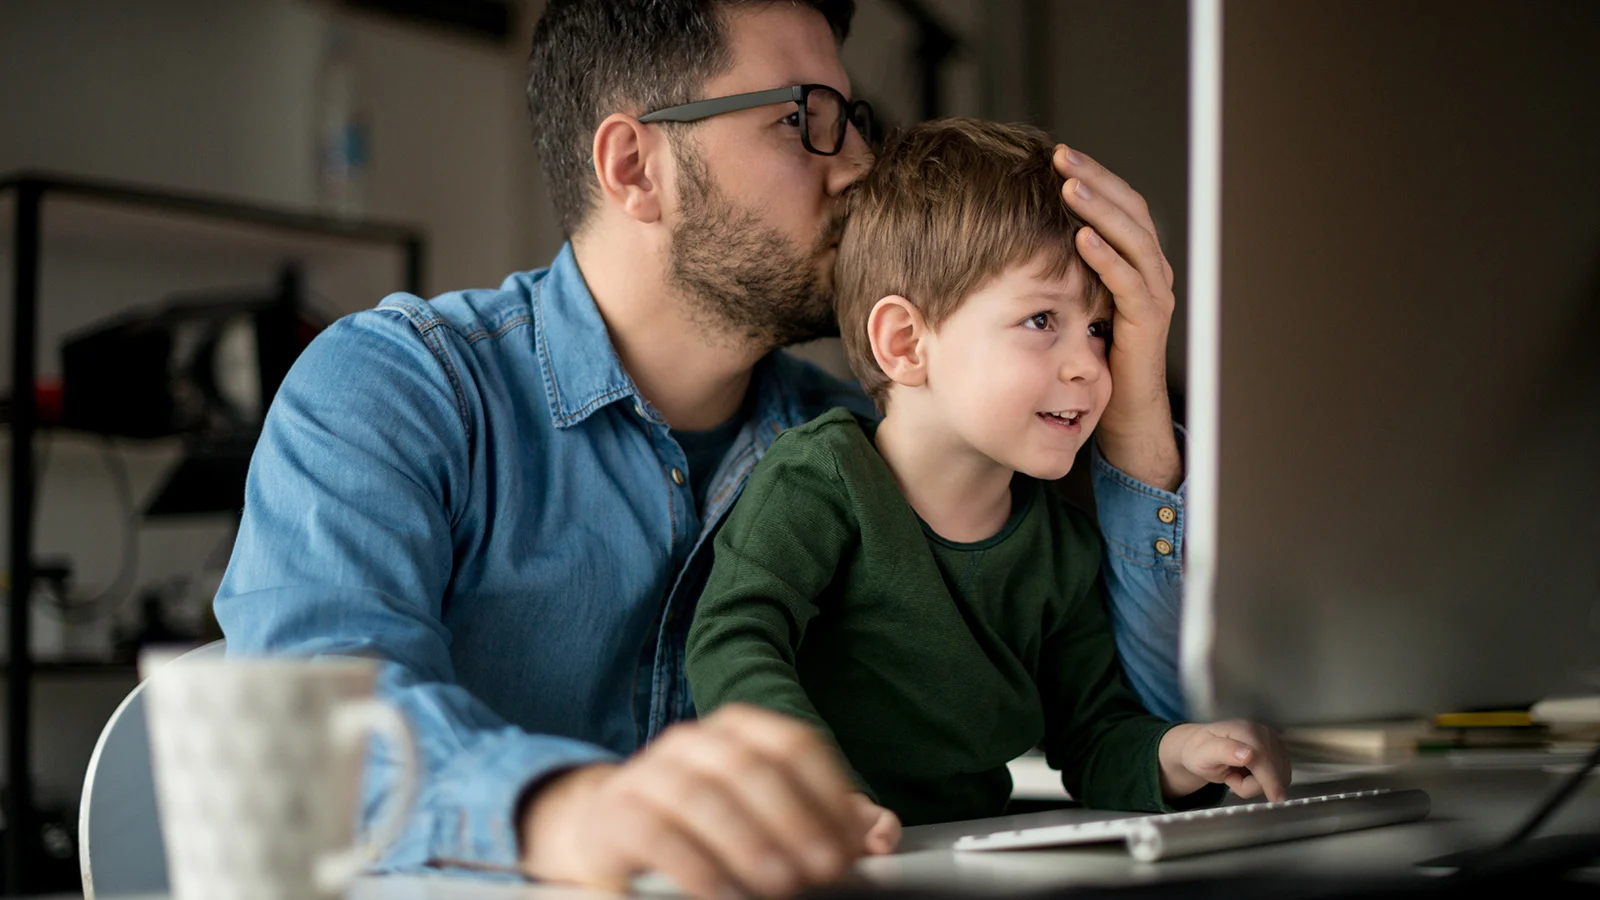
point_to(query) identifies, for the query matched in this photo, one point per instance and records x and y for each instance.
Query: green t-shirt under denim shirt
(928, 663)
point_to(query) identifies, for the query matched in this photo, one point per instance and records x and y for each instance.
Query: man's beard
(740, 275)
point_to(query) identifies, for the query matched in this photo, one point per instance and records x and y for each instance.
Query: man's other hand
(1120, 243)
(882, 826)
(742, 801)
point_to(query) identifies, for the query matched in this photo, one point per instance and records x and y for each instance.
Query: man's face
(758, 216)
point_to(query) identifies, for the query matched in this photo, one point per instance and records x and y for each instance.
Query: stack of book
(1565, 724)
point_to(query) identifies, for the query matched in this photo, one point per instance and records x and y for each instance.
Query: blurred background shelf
(103, 266)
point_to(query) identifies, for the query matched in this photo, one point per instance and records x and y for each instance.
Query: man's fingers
(773, 800)
(796, 750)
(1127, 286)
(884, 836)
(1134, 239)
(882, 826)
(671, 853)
(1106, 182)
(703, 811)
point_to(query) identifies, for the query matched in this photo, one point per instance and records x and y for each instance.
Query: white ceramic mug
(258, 774)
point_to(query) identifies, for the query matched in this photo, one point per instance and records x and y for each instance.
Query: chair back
(119, 827)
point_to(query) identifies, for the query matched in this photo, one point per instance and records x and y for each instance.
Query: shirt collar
(582, 371)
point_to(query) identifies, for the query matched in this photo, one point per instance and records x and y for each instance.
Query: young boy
(913, 588)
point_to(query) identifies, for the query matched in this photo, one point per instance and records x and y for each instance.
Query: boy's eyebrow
(1089, 301)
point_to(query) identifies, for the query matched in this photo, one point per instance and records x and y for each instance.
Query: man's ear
(898, 335)
(627, 156)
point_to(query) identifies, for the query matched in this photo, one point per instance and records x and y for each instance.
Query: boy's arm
(1143, 566)
(1114, 755)
(778, 551)
(1105, 744)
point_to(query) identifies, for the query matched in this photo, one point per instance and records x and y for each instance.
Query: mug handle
(349, 728)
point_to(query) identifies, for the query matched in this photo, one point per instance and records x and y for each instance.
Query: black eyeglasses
(824, 113)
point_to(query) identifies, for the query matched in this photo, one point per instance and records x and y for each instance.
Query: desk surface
(1473, 806)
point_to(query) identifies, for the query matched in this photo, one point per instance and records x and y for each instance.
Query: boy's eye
(1037, 322)
(792, 119)
(1100, 329)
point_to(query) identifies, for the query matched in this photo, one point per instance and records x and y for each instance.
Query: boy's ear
(896, 330)
(627, 158)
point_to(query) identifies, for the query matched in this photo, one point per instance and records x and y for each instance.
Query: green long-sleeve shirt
(928, 663)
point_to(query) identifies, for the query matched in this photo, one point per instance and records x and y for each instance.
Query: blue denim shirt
(473, 490)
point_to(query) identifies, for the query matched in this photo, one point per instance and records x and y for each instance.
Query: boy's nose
(1080, 362)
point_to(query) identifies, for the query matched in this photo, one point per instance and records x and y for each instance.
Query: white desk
(1472, 807)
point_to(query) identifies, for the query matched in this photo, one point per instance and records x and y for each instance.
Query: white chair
(119, 828)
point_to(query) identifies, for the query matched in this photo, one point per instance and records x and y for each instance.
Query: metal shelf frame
(30, 190)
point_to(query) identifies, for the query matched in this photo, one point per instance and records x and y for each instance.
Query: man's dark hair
(592, 58)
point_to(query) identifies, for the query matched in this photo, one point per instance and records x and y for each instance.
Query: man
(508, 495)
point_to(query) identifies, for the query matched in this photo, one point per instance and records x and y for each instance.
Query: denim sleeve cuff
(466, 819)
(1141, 524)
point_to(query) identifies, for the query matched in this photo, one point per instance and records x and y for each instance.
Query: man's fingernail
(1081, 189)
(1241, 754)
(1073, 157)
(1093, 238)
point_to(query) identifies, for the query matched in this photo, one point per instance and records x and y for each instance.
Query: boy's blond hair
(947, 206)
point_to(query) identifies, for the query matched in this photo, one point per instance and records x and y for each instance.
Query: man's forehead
(779, 44)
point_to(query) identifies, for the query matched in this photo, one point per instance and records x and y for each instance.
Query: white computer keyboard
(1151, 838)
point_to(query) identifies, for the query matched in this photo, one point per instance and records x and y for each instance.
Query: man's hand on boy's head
(1247, 757)
(1121, 244)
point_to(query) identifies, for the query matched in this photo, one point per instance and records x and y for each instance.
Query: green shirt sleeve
(778, 551)
(1096, 732)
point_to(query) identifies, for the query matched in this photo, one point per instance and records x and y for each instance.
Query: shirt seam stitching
(425, 328)
(482, 334)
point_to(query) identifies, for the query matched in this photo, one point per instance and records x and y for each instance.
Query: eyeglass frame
(795, 93)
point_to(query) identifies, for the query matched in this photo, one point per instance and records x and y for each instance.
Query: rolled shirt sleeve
(1143, 530)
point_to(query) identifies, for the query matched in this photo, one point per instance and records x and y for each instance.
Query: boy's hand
(1121, 245)
(1247, 757)
(882, 826)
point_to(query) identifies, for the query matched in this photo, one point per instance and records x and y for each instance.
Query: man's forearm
(1150, 456)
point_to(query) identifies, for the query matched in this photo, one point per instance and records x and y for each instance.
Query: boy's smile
(1068, 420)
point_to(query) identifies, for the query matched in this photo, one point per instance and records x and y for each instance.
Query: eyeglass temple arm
(702, 109)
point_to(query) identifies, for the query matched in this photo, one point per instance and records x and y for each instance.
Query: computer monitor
(1394, 391)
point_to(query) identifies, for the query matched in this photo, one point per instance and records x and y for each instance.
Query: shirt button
(1166, 515)
(1163, 546)
(677, 477)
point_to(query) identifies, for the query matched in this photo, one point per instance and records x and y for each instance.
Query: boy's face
(1019, 372)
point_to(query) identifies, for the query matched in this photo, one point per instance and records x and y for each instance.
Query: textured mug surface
(258, 771)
